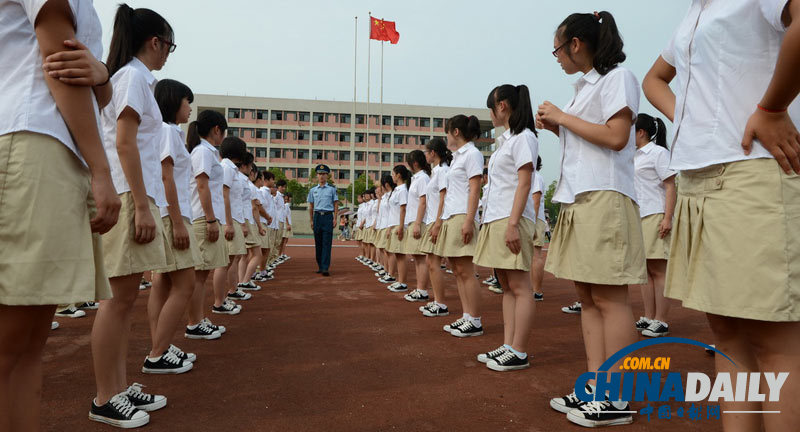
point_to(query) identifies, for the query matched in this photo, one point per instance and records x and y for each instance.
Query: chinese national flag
(383, 30)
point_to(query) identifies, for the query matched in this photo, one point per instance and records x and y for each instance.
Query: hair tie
(597, 16)
(655, 133)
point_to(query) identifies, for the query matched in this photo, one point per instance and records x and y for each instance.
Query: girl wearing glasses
(598, 237)
(132, 128)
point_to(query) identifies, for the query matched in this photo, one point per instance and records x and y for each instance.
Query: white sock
(192, 327)
(154, 359)
(619, 404)
(423, 292)
(476, 321)
(521, 355)
(441, 305)
(465, 316)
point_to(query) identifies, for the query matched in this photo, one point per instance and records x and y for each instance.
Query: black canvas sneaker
(144, 401)
(574, 308)
(569, 402)
(239, 295)
(226, 309)
(600, 413)
(538, 296)
(190, 357)
(643, 323)
(387, 279)
(491, 355)
(250, 285)
(90, 305)
(71, 312)
(416, 296)
(454, 325)
(398, 287)
(168, 363)
(467, 330)
(201, 331)
(656, 329)
(508, 361)
(119, 412)
(219, 328)
(434, 310)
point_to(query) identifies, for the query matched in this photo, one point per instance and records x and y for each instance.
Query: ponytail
(418, 157)
(206, 120)
(519, 100)
(438, 146)
(132, 29)
(404, 173)
(654, 127)
(468, 127)
(599, 32)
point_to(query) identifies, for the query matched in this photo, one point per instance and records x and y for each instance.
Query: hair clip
(597, 16)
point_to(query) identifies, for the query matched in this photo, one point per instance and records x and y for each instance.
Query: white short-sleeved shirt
(467, 163)
(279, 209)
(370, 214)
(268, 203)
(512, 153)
(276, 212)
(205, 160)
(247, 198)
(419, 182)
(398, 198)
(588, 167)
(232, 180)
(259, 196)
(383, 211)
(172, 146)
(27, 104)
(538, 186)
(287, 207)
(133, 87)
(437, 183)
(652, 168)
(734, 49)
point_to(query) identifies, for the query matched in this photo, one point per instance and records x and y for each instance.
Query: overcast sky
(451, 53)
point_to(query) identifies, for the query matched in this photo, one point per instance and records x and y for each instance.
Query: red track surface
(343, 354)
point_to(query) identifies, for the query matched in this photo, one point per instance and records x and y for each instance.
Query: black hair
(599, 31)
(387, 180)
(287, 195)
(486, 171)
(654, 127)
(169, 95)
(404, 174)
(132, 29)
(280, 183)
(268, 175)
(233, 148)
(538, 163)
(519, 100)
(418, 157)
(201, 127)
(438, 146)
(259, 174)
(248, 159)
(469, 127)
(370, 192)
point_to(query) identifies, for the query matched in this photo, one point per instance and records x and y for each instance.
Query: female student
(132, 126)
(387, 222)
(173, 285)
(250, 206)
(53, 161)
(537, 266)
(505, 242)
(234, 155)
(268, 204)
(415, 226)
(287, 232)
(738, 189)
(439, 157)
(597, 198)
(381, 208)
(357, 233)
(208, 215)
(655, 188)
(366, 226)
(458, 222)
(401, 176)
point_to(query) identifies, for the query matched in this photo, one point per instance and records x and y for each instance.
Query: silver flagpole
(353, 134)
(369, 44)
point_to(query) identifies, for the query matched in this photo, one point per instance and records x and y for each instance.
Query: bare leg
(172, 312)
(162, 287)
(509, 304)
(591, 327)
(657, 271)
(402, 267)
(648, 295)
(198, 297)
(23, 333)
(390, 258)
(435, 273)
(220, 284)
(232, 275)
(615, 308)
(519, 284)
(255, 258)
(421, 271)
(110, 337)
(241, 268)
(537, 270)
(463, 269)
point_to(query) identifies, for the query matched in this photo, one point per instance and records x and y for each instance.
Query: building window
(344, 155)
(398, 139)
(290, 135)
(317, 154)
(424, 140)
(344, 118)
(302, 173)
(331, 118)
(277, 115)
(344, 137)
(302, 135)
(359, 156)
(344, 175)
(438, 123)
(234, 113)
(386, 138)
(275, 153)
(359, 173)
(290, 115)
(387, 120)
(289, 172)
(359, 118)
(373, 156)
(302, 154)
(276, 134)
(359, 137)
(262, 114)
(425, 122)
(319, 136)
(261, 152)
(319, 117)
(399, 121)
(304, 116)
(398, 157)
(233, 132)
(386, 157)
(248, 111)
(261, 133)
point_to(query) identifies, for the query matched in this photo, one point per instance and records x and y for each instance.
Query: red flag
(383, 30)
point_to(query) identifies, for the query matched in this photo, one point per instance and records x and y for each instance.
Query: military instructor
(323, 210)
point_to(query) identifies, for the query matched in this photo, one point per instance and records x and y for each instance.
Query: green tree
(299, 192)
(279, 175)
(360, 187)
(551, 207)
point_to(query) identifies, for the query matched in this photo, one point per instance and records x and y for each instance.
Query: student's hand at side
(417, 231)
(212, 232)
(400, 232)
(664, 228)
(107, 202)
(777, 134)
(229, 232)
(76, 65)
(467, 231)
(245, 231)
(145, 225)
(512, 239)
(437, 226)
(180, 236)
(262, 231)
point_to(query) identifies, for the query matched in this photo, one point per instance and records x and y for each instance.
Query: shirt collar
(205, 143)
(465, 147)
(137, 64)
(647, 148)
(418, 174)
(590, 77)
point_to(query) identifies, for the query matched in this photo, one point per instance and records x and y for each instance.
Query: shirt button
(719, 182)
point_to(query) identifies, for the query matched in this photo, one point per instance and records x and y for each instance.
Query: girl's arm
(614, 134)
(537, 199)
(180, 236)
(468, 228)
(669, 208)
(226, 197)
(656, 87)
(402, 221)
(204, 192)
(130, 159)
(423, 202)
(520, 199)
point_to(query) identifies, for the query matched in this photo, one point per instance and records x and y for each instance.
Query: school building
(295, 135)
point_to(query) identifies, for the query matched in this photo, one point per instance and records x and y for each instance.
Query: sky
(450, 53)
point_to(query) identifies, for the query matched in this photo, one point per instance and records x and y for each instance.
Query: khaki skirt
(287, 233)
(538, 238)
(654, 246)
(180, 258)
(380, 238)
(357, 234)
(46, 260)
(411, 245)
(123, 255)
(426, 245)
(735, 247)
(492, 251)
(237, 245)
(598, 240)
(394, 244)
(369, 236)
(278, 237)
(253, 238)
(266, 239)
(450, 244)
(213, 255)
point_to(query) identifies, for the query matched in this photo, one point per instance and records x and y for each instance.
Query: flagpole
(353, 134)
(369, 40)
(390, 125)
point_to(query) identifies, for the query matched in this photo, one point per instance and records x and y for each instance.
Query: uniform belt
(323, 212)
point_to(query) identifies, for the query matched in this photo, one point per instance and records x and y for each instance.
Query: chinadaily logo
(649, 380)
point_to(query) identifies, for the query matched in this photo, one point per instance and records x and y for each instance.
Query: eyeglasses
(172, 46)
(555, 51)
